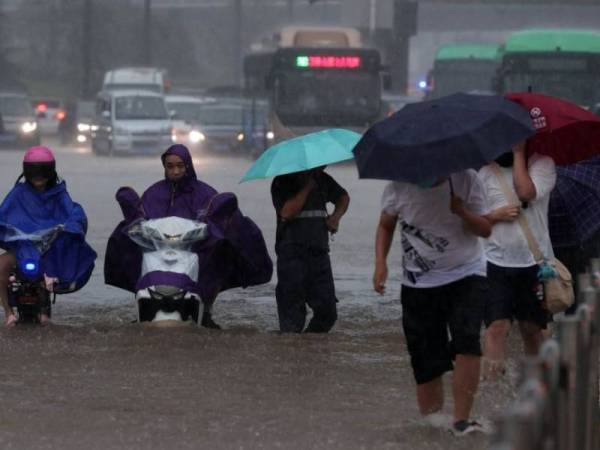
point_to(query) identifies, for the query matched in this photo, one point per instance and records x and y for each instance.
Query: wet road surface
(95, 380)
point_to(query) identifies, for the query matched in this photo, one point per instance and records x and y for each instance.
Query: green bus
(560, 62)
(462, 68)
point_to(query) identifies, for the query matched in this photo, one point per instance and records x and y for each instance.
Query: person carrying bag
(555, 277)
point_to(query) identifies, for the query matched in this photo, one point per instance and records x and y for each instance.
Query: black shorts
(514, 295)
(427, 316)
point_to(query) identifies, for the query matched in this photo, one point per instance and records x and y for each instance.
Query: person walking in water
(515, 290)
(304, 273)
(443, 287)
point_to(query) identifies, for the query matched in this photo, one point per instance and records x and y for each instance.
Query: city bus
(560, 62)
(316, 85)
(462, 68)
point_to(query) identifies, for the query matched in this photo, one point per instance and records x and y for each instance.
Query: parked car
(18, 124)
(50, 112)
(131, 122)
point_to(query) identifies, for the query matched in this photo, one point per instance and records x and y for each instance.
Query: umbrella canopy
(564, 131)
(303, 153)
(435, 138)
(574, 212)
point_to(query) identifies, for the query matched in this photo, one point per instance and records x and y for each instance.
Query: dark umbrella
(564, 131)
(435, 138)
(574, 212)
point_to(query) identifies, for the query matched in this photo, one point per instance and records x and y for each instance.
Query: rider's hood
(183, 152)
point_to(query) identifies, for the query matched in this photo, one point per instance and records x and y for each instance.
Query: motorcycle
(29, 289)
(169, 268)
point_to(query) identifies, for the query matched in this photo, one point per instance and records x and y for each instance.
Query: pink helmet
(39, 162)
(39, 154)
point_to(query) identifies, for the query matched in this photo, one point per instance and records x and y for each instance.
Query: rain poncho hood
(233, 255)
(184, 198)
(70, 258)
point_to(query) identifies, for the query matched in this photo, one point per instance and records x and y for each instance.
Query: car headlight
(270, 135)
(240, 137)
(196, 136)
(94, 127)
(83, 127)
(29, 127)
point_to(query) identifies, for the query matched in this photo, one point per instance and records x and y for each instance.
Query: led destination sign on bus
(328, 62)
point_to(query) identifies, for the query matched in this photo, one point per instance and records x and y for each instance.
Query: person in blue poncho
(41, 202)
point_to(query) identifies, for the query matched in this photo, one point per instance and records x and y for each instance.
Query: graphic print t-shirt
(438, 248)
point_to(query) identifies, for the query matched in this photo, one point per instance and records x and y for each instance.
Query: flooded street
(97, 380)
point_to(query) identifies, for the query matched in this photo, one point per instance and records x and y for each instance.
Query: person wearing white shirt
(444, 284)
(515, 290)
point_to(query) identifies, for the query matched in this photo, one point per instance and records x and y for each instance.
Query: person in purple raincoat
(234, 254)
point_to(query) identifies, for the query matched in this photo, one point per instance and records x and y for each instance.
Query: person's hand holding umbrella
(293, 207)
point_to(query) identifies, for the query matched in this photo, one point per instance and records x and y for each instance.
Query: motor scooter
(30, 292)
(169, 267)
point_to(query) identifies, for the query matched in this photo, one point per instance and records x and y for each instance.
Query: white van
(131, 122)
(139, 78)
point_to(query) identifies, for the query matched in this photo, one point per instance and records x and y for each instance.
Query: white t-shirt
(438, 248)
(507, 245)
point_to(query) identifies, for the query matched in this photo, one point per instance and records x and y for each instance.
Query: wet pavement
(95, 380)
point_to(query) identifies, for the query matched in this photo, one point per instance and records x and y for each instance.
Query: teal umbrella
(303, 153)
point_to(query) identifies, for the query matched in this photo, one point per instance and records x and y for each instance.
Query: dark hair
(505, 159)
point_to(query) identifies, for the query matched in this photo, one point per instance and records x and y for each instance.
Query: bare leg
(532, 337)
(430, 396)
(495, 349)
(7, 263)
(466, 380)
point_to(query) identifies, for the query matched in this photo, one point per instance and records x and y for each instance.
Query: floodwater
(94, 379)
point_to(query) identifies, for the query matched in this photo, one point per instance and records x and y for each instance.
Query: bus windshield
(581, 88)
(320, 99)
(462, 76)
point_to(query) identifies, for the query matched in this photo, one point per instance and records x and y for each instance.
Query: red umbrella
(565, 132)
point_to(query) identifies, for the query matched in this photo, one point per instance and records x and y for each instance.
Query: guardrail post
(549, 356)
(591, 298)
(567, 335)
(584, 409)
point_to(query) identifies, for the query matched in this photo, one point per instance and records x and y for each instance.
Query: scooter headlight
(30, 268)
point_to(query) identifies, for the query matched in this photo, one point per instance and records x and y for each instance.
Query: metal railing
(557, 404)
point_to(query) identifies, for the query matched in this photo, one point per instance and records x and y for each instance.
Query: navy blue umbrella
(574, 212)
(435, 138)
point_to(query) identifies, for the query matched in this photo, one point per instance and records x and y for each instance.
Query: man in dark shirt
(302, 247)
